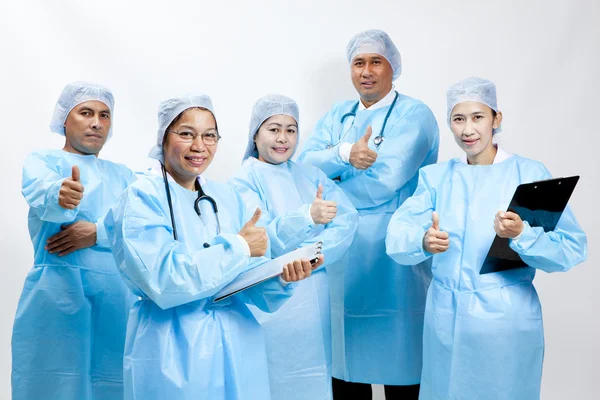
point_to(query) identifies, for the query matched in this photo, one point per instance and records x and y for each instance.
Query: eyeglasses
(209, 138)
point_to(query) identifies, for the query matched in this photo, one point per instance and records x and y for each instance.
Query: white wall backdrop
(543, 56)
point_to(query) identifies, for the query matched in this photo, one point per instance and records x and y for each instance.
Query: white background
(543, 56)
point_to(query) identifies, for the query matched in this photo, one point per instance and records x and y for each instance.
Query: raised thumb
(255, 217)
(320, 192)
(436, 221)
(75, 175)
(368, 134)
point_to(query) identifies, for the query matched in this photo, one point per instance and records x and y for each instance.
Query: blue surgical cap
(168, 110)
(265, 108)
(378, 42)
(472, 89)
(74, 94)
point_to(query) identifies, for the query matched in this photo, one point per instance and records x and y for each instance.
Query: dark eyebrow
(275, 123)
(186, 126)
(106, 110)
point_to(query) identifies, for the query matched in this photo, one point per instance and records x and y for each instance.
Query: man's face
(86, 127)
(371, 76)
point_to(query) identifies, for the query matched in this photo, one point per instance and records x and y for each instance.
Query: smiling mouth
(280, 150)
(196, 161)
(470, 142)
(367, 84)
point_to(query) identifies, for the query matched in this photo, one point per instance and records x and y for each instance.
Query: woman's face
(185, 157)
(276, 139)
(472, 124)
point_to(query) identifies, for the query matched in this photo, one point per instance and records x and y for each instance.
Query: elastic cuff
(101, 235)
(309, 217)
(344, 150)
(245, 245)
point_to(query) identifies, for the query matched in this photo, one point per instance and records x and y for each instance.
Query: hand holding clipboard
(541, 204)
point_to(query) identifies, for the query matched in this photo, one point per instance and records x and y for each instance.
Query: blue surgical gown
(377, 306)
(180, 344)
(301, 371)
(483, 334)
(69, 329)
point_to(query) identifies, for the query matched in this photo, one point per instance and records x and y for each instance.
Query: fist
(508, 224)
(71, 190)
(436, 241)
(361, 156)
(255, 237)
(322, 211)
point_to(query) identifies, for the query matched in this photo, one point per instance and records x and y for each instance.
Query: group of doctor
(120, 300)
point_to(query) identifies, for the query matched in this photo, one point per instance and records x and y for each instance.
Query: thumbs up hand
(255, 237)
(508, 224)
(361, 156)
(436, 241)
(322, 211)
(71, 190)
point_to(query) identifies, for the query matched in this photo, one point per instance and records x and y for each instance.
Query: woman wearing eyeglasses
(176, 253)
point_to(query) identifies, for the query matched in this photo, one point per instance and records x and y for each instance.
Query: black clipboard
(540, 203)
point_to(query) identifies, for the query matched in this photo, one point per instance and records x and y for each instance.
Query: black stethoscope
(201, 196)
(352, 113)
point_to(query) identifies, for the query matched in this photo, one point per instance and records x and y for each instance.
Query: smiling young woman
(483, 336)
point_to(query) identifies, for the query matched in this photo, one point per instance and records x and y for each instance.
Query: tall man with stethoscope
(375, 147)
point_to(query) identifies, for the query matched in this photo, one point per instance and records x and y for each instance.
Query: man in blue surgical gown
(303, 206)
(374, 148)
(69, 330)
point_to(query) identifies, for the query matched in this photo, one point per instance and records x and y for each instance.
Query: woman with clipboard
(178, 239)
(483, 336)
(311, 208)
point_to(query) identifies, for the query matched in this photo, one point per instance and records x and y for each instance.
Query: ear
(497, 120)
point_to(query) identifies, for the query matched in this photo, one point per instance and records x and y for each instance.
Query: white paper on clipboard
(268, 270)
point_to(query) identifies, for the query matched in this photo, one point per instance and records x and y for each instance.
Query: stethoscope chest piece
(378, 140)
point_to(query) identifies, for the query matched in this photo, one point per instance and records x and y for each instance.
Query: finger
(69, 206)
(285, 275)
(511, 216)
(436, 221)
(368, 134)
(75, 175)
(372, 154)
(58, 236)
(444, 243)
(255, 217)
(58, 247)
(67, 251)
(306, 268)
(292, 270)
(442, 248)
(72, 194)
(441, 235)
(74, 186)
(71, 202)
(320, 192)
